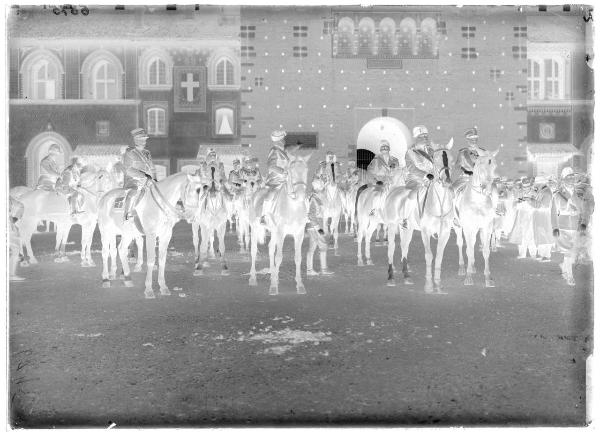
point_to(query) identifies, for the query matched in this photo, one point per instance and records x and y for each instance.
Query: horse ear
(450, 144)
(495, 152)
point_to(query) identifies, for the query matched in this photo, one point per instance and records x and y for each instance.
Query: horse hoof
(128, 284)
(369, 262)
(391, 283)
(337, 253)
(300, 289)
(408, 280)
(468, 280)
(165, 292)
(149, 295)
(461, 271)
(252, 281)
(571, 281)
(360, 264)
(225, 273)
(198, 272)
(105, 284)
(326, 272)
(489, 283)
(91, 263)
(311, 273)
(138, 269)
(273, 290)
(24, 264)
(33, 260)
(206, 264)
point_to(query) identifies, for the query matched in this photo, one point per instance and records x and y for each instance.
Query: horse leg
(221, 234)
(26, 234)
(104, 238)
(112, 275)
(298, 238)
(163, 245)
(459, 244)
(253, 251)
(439, 256)
(139, 244)
(485, 240)
(370, 228)
(124, 256)
(274, 288)
(310, 253)
(359, 239)
(470, 239)
(196, 241)
(405, 239)
(150, 260)
(391, 250)
(211, 244)
(426, 237)
(335, 222)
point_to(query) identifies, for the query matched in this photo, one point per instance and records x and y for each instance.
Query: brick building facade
(226, 77)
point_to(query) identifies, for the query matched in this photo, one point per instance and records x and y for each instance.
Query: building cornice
(133, 41)
(63, 102)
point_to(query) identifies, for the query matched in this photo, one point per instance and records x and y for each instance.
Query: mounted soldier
(235, 176)
(50, 169)
(329, 170)
(139, 170)
(69, 183)
(215, 170)
(382, 165)
(15, 212)
(278, 162)
(250, 171)
(466, 158)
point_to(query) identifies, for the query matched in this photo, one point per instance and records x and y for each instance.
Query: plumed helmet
(54, 149)
(419, 130)
(384, 145)
(278, 135)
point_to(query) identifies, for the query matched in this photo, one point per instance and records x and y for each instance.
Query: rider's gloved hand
(429, 176)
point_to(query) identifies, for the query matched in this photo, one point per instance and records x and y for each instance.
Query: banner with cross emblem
(189, 89)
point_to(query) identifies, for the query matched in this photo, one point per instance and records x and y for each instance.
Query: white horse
(332, 197)
(211, 218)
(156, 215)
(476, 213)
(52, 206)
(289, 217)
(369, 212)
(432, 214)
(241, 203)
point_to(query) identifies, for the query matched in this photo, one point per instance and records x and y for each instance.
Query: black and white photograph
(299, 215)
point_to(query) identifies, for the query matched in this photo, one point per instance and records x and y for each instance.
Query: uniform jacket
(466, 159)
(50, 168)
(138, 163)
(326, 171)
(419, 163)
(380, 169)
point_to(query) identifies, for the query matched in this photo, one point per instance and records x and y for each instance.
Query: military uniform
(330, 172)
(68, 183)
(139, 168)
(466, 158)
(278, 163)
(15, 212)
(542, 223)
(49, 172)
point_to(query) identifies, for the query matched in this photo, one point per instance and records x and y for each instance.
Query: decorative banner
(189, 89)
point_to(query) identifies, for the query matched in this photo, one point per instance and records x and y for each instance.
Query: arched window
(102, 75)
(156, 121)
(387, 37)
(38, 149)
(345, 37)
(42, 75)
(429, 36)
(407, 37)
(366, 37)
(224, 72)
(156, 68)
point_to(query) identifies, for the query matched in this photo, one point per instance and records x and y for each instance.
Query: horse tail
(358, 192)
(333, 171)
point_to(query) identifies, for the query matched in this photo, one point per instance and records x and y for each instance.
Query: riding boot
(129, 201)
(290, 186)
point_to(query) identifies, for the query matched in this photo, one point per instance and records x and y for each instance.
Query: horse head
(298, 169)
(442, 160)
(484, 171)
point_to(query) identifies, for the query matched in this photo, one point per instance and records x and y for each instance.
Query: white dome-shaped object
(385, 128)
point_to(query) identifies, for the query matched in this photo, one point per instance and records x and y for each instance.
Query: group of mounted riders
(415, 174)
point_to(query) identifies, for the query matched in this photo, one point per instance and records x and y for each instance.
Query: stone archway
(382, 128)
(38, 149)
